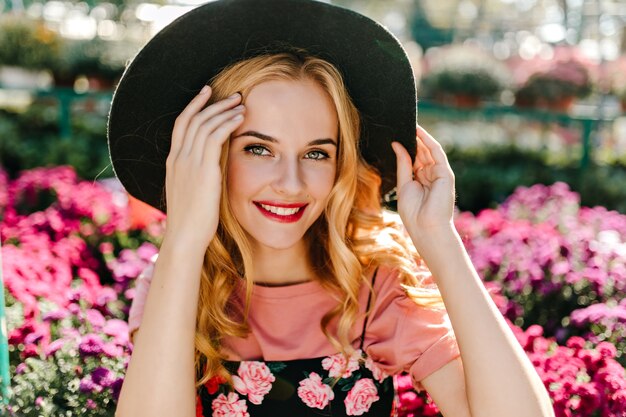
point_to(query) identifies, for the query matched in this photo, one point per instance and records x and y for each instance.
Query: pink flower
(361, 397)
(314, 393)
(91, 404)
(230, 406)
(335, 364)
(54, 346)
(253, 379)
(378, 373)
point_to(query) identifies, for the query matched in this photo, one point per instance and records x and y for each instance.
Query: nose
(289, 178)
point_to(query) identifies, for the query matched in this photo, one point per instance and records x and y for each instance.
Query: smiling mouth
(282, 214)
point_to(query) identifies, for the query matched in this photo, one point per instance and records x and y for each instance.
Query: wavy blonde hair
(352, 234)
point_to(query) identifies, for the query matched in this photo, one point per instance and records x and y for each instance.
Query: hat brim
(174, 65)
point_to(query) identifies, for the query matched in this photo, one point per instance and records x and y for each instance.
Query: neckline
(271, 285)
(298, 289)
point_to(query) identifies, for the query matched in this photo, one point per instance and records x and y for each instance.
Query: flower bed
(556, 270)
(69, 261)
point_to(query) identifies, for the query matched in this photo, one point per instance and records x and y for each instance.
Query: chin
(276, 241)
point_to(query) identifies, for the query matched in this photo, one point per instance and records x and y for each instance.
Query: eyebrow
(268, 138)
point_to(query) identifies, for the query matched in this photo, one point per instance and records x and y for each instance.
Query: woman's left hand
(425, 187)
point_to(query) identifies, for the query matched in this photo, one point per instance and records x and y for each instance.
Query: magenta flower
(103, 377)
(87, 386)
(91, 345)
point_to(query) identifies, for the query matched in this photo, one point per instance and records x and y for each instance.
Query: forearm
(160, 377)
(500, 379)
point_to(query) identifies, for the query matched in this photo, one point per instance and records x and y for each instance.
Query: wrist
(182, 243)
(432, 241)
(422, 236)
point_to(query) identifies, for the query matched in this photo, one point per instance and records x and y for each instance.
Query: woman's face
(282, 161)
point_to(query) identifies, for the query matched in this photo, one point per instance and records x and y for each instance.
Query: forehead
(290, 109)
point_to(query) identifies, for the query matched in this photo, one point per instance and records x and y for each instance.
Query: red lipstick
(282, 218)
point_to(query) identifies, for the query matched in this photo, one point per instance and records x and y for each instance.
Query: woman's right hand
(193, 178)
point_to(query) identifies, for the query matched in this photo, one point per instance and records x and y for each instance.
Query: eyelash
(250, 148)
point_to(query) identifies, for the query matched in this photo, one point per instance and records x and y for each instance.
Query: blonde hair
(360, 234)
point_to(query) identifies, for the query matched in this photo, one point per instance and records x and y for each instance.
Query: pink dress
(285, 325)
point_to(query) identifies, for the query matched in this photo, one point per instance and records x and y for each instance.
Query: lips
(281, 212)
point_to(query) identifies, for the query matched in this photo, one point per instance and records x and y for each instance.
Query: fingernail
(204, 89)
(234, 95)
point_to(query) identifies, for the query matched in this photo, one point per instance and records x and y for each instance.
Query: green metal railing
(65, 98)
(589, 125)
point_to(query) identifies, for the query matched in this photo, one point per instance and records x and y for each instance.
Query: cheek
(236, 183)
(320, 182)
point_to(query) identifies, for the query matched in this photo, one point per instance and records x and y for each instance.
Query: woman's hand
(425, 188)
(193, 179)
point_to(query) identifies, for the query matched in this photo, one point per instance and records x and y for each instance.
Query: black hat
(179, 60)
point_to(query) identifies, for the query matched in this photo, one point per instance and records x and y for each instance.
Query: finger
(438, 165)
(436, 151)
(213, 146)
(424, 176)
(205, 132)
(423, 157)
(182, 121)
(404, 172)
(211, 111)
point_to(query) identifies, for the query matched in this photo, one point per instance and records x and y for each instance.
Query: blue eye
(257, 150)
(317, 155)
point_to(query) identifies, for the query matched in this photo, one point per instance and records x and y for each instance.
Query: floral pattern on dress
(229, 406)
(335, 363)
(314, 393)
(362, 391)
(253, 379)
(361, 397)
(320, 384)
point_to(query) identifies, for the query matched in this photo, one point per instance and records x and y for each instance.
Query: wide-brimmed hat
(179, 60)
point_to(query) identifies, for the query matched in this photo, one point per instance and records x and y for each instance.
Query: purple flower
(103, 377)
(116, 387)
(87, 386)
(91, 345)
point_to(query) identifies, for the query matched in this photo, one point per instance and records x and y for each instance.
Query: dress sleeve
(142, 285)
(402, 336)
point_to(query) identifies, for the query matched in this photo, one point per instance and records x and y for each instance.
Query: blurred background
(528, 98)
(534, 86)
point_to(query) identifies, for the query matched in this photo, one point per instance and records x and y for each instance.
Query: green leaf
(276, 367)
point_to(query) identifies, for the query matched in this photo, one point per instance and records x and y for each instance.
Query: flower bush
(556, 271)
(612, 78)
(554, 267)
(463, 71)
(552, 258)
(69, 258)
(564, 81)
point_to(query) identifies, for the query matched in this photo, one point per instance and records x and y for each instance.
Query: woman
(281, 288)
